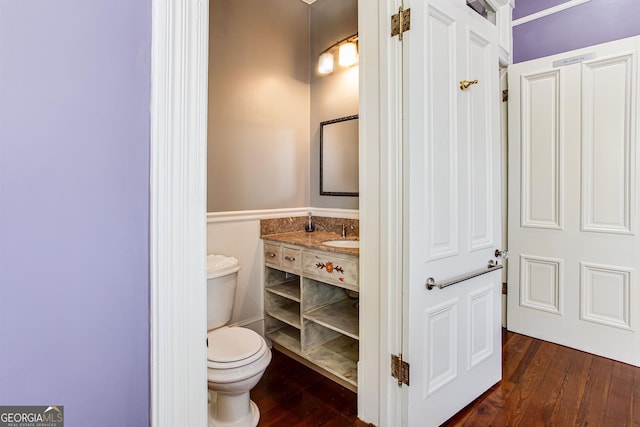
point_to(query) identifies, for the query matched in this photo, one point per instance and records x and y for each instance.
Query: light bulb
(348, 54)
(325, 63)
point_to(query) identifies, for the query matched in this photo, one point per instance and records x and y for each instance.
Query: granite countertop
(312, 240)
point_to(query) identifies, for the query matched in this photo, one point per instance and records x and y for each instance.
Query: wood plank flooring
(543, 384)
(291, 395)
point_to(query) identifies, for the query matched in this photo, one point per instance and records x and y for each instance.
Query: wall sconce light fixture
(325, 63)
(347, 54)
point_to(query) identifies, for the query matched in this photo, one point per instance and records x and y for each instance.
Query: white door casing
(452, 199)
(573, 233)
(178, 143)
(178, 117)
(178, 204)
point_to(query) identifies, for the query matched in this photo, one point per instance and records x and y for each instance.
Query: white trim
(504, 58)
(179, 55)
(497, 4)
(336, 213)
(236, 216)
(379, 397)
(547, 12)
(505, 36)
(371, 319)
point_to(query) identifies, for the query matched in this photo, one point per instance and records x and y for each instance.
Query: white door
(573, 227)
(452, 209)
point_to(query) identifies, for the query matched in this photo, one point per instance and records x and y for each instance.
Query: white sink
(342, 243)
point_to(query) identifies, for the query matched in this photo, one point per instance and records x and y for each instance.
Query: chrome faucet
(344, 230)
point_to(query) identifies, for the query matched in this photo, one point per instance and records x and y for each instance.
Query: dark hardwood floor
(543, 384)
(292, 395)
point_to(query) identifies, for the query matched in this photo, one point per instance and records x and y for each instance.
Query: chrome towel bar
(431, 282)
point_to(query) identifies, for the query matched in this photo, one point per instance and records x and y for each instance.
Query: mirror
(339, 157)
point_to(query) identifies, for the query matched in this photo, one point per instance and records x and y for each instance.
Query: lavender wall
(74, 203)
(594, 22)
(524, 7)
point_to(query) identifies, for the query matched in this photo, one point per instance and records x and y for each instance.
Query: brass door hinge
(400, 22)
(399, 369)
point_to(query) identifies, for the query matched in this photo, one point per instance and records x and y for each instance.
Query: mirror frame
(322, 125)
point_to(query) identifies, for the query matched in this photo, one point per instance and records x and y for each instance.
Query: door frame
(179, 52)
(179, 66)
(378, 309)
(178, 146)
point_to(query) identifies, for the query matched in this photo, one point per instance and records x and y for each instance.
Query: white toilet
(236, 357)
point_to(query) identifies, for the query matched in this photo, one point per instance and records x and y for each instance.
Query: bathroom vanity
(311, 302)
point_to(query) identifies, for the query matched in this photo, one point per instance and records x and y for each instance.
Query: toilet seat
(233, 347)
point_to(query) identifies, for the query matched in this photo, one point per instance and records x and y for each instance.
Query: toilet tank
(222, 278)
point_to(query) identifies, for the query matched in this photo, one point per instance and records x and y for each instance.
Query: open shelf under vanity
(311, 309)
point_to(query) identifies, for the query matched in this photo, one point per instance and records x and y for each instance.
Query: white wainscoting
(237, 234)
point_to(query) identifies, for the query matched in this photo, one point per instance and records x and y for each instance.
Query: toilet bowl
(236, 357)
(236, 360)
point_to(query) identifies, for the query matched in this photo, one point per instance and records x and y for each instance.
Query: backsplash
(297, 223)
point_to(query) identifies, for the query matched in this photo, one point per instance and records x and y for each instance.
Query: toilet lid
(233, 347)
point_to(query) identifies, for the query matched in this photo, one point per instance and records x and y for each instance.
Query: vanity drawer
(326, 267)
(272, 254)
(291, 258)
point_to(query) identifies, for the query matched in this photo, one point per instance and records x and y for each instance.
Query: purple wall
(594, 22)
(524, 7)
(74, 208)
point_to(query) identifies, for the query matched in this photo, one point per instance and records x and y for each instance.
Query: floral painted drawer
(327, 267)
